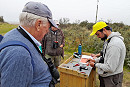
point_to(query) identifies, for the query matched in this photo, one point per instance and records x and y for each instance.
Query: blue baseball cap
(39, 9)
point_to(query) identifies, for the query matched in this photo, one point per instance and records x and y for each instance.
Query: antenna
(96, 11)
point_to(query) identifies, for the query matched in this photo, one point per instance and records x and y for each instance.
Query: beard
(104, 38)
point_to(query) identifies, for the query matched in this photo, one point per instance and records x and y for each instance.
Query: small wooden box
(73, 78)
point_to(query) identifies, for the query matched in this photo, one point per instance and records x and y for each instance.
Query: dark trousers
(111, 81)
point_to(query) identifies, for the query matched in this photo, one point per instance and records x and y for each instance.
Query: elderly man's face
(42, 31)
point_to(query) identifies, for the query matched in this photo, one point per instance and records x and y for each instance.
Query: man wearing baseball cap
(111, 59)
(53, 44)
(17, 67)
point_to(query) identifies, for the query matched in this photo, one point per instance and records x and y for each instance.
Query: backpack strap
(103, 54)
(107, 45)
(16, 43)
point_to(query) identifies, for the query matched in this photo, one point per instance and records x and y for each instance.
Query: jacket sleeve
(16, 67)
(97, 60)
(111, 60)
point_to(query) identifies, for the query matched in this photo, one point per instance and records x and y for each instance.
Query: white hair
(28, 19)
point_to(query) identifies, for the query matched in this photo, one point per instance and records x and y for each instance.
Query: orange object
(83, 60)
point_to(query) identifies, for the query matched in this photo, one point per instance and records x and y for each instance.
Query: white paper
(86, 56)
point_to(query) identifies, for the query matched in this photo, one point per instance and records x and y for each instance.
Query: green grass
(126, 77)
(5, 27)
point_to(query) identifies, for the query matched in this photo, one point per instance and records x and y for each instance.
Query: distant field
(5, 27)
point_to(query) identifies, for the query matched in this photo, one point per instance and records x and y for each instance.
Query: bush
(1, 19)
(89, 26)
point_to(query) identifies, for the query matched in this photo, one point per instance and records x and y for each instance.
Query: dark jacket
(1, 37)
(48, 41)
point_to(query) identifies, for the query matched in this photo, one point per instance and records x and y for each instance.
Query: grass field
(5, 27)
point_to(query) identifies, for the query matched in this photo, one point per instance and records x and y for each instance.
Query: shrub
(1, 19)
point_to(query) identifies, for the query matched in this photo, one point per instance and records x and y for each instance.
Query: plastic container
(80, 49)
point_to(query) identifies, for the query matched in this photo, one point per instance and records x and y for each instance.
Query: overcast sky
(114, 10)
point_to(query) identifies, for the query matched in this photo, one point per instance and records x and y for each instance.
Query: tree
(1, 19)
(64, 20)
(83, 23)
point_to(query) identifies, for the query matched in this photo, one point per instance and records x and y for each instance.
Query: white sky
(114, 10)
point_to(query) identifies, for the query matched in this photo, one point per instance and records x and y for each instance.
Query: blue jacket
(16, 68)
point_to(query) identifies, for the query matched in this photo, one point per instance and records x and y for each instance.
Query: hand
(96, 55)
(61, 45)
(93, 55)
(91, 63)
(92, 60)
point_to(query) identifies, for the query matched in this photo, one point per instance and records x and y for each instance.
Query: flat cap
(39, 9)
